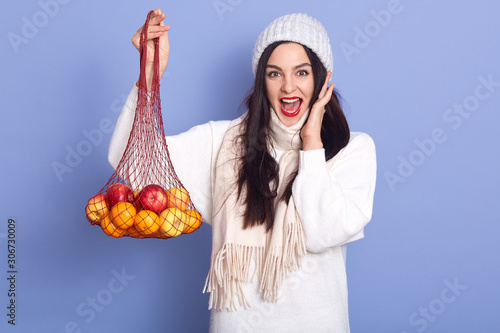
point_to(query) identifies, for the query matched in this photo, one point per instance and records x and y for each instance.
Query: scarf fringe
(229, 269)
(280, 262)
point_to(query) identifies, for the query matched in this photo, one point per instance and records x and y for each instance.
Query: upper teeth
(290, 100)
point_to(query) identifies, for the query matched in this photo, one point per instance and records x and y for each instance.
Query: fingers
(156, 17)
(153, 32)
(325, 87)
(153, 35)
(156, 23)
(156, 28)
(325, 94)
(329, 92)
(311, 132)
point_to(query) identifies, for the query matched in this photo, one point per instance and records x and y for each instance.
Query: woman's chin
(287, 119)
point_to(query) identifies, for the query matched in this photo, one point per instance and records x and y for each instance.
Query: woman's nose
(288, 85)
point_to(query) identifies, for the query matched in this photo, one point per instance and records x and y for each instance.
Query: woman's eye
(302, 73)
(273, 74)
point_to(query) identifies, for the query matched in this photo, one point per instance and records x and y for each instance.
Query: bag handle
(143, 57)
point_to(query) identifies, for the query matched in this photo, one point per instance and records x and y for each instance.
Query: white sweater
(334, 206)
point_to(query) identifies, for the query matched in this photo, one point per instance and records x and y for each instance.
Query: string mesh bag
(144, 198)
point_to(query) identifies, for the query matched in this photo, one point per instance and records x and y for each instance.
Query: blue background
(429, 261)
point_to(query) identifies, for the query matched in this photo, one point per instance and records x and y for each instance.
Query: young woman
(285, 186)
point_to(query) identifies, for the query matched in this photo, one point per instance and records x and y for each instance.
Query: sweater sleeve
(193, 153)
(335, 204)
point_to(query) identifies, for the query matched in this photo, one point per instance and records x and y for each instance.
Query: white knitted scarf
(277, 252)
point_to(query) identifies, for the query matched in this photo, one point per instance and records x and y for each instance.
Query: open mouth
(290, 106)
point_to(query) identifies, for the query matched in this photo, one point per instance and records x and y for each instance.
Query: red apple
(153, 198)
(137, 204)
(97, 208)
(119, 192)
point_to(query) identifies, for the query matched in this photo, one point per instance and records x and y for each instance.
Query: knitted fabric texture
(299, 28)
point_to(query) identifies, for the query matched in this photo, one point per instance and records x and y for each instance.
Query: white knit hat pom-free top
(299, 28)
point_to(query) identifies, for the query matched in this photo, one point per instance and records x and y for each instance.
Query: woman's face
(289, 82)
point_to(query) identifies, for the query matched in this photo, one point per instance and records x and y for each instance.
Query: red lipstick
(291, 113)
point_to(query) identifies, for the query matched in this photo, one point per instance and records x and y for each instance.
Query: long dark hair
(258, 173)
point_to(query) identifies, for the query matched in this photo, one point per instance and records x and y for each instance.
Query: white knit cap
(299, 28)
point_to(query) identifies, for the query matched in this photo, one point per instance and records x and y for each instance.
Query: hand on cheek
(311, 132)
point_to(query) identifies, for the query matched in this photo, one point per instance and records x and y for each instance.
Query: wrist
(312, 144)
(149, 77)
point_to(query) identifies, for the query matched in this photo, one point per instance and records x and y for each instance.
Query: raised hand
(156, 29)
(311, 131)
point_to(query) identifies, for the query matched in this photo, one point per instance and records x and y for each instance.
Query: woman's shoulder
(360, 144)
(219, 128)
(219, 125)
(361, 139)
(213, 128)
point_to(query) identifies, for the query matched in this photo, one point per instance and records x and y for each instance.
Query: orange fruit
(133, 232)
(193, 221)
(146, 222)
(157, 234)
(110, 229)
(172, 222)
(122, 215)
(177, 197)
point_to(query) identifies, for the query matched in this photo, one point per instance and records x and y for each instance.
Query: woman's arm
(156, 29)
(336, 204)
(122, 130)
(192, 153)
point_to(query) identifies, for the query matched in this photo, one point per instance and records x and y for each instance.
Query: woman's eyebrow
(302, 65)
(295, 68)
(274, 66)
